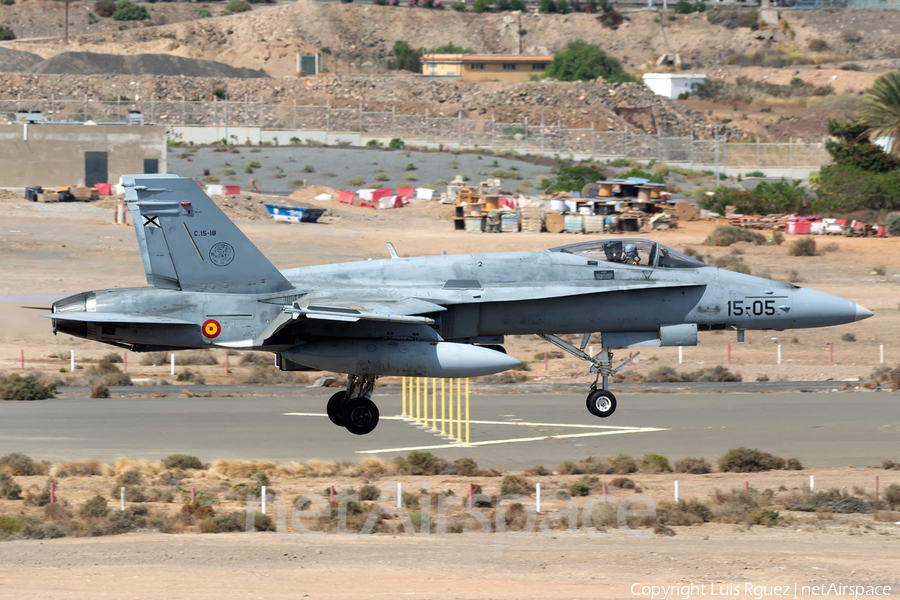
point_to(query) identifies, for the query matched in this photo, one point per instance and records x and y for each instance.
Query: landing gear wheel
(360, 416)
(601, 403)
(334, 408)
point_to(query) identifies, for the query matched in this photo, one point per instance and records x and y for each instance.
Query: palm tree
(880, 110)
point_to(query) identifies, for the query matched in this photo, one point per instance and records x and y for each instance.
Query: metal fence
(524, 137)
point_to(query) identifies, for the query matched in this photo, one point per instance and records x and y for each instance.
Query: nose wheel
(600, 402)
(353, 409)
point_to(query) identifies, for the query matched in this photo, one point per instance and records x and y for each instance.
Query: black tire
(360, 416)
(335, 408)
(601, 403)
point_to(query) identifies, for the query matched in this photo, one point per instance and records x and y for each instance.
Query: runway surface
(512, 431)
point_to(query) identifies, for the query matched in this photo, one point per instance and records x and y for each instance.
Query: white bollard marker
(173, 363)
(537, 495)
(676, 490)
(263, 499)
(72, 360)
(399, 495)
(680, 354)
(812, 484)
(123, 497)
(779, 354)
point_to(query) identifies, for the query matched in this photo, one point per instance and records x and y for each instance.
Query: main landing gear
(600, 402)
(353, 408)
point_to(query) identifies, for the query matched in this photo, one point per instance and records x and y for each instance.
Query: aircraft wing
(106, 317)
(333, 307)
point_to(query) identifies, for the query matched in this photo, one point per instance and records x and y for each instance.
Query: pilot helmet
(631, 250)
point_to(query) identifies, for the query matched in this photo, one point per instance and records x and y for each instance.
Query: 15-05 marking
(756, 307)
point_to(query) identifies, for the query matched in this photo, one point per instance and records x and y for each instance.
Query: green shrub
(805, 246)
(210, 179)
(892, 495)
(6, 33)
(726, 235)
(42, 531)
(227, 172)
(506, 174)
(697, 466)
(15, 387)
(368, 493)
(309, 169)
(17, 464)
(749, 460)
(96, 507)
(182, 462)
(622, 464)
(204, 13)
(396, 144)
(10, 524)
(298, 183)
(766, 517)
(466, 467)
(248, 169)
(440, 182)
(777, 237)
(893, 224)
(128, 11)
(409, 177)
(516, 485)
(237, 6)
(654, 463)
(374, 144)
(101, 391)
(130, 478)
(9, 489)
(356, 181)
(418, 463)
(381, 177)
(580, 488)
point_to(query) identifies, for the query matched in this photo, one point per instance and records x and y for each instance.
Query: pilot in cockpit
(631, 256)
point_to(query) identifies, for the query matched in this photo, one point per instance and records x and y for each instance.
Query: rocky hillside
(361, 35)
(581, 104)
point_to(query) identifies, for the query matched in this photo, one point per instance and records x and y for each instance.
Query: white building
(671, 85)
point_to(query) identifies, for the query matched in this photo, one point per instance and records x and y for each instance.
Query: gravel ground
(335, 167)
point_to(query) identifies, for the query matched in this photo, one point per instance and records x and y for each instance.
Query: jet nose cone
(813, 308)
(862, 313)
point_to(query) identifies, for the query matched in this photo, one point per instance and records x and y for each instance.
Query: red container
(882, 230)
(231, 190)
(105, 189)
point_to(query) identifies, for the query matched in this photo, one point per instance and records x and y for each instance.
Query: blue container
(294, 214)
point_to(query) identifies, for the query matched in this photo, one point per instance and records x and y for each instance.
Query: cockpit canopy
(647, 253)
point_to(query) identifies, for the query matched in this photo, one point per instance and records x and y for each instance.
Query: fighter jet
(431, 316)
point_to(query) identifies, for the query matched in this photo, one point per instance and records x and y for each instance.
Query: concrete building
(488, 67)
(52, 155)
(671, 85)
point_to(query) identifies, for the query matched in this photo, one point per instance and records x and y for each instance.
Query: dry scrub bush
(735, 505)
(751, 460)
(270, 375)
(726, 235)
(242, 469)
(697, 466)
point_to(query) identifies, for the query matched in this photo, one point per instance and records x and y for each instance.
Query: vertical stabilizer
(188, 243)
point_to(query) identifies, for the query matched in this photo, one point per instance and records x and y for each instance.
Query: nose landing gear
(353, 408)
(600, 402)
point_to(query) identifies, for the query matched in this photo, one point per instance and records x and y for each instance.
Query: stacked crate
(532, 218)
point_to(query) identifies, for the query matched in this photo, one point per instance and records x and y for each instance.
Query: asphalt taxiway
(514, 431)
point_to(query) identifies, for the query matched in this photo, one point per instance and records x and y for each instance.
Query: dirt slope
(91, 63)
